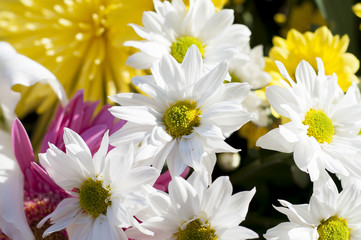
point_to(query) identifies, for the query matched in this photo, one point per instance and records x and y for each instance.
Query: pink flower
(41, 194)
(78, 116)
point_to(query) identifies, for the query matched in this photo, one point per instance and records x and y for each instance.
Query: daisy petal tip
(320, 66)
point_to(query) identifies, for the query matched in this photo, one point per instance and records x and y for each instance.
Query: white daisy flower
(106, 189)
(252, 73)
(324, 122)
(330, 215)
(192, 210)
(185, 116)
(172, 29)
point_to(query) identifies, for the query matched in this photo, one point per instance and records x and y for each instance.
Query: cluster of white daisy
(323, 135)
(182, 119)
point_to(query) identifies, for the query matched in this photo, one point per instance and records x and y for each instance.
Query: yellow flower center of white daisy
(319, 126)
(179, 48)
(181, 117)
(94, 199)
(333, 228)
(195, 230)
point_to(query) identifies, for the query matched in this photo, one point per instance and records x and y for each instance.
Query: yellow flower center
(333, 228)
(94, 199)
(319, 126)
(179, 48)
(195, 230)
(181, 117)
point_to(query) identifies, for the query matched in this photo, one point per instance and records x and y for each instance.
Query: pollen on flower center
(320, 126)
(333, 228)
(196, 230)
(94, 199)
(179, 48)
(181, 117)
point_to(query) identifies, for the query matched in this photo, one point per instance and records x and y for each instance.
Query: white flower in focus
(185, 116)
(330, 215)
(252, 72)
(324, 122)
(172, 29)
(107, 191)
(192, 210)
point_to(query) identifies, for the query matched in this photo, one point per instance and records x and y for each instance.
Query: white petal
(306, 74)
(141, 175)
(103, 229)
(175, 162)
(199, 181)
(239, 204)
(209, 83)
(18, 69)
(152, 22)
(119, 161)
(134, 99)
(65, 171)
(130, 132)
(191, 151)
(140, 60)
(118, 215)
(218, 23)
(238, 233)
(274, 140)
(278, 96)
(217, 196)
(99, 156)
(208, 129)
(184, 197)
(291, 231)
(284, 72)
(192, 65)
(12, 217)
(77, 148)
(171, 72)
(217, 145)
(236, 91)
(64, 215)
(137, 114)
(292, 214)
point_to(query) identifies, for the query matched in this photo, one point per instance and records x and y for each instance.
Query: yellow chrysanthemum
(80, 41)
(331, 49)
(219, 4)
(357, 10)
